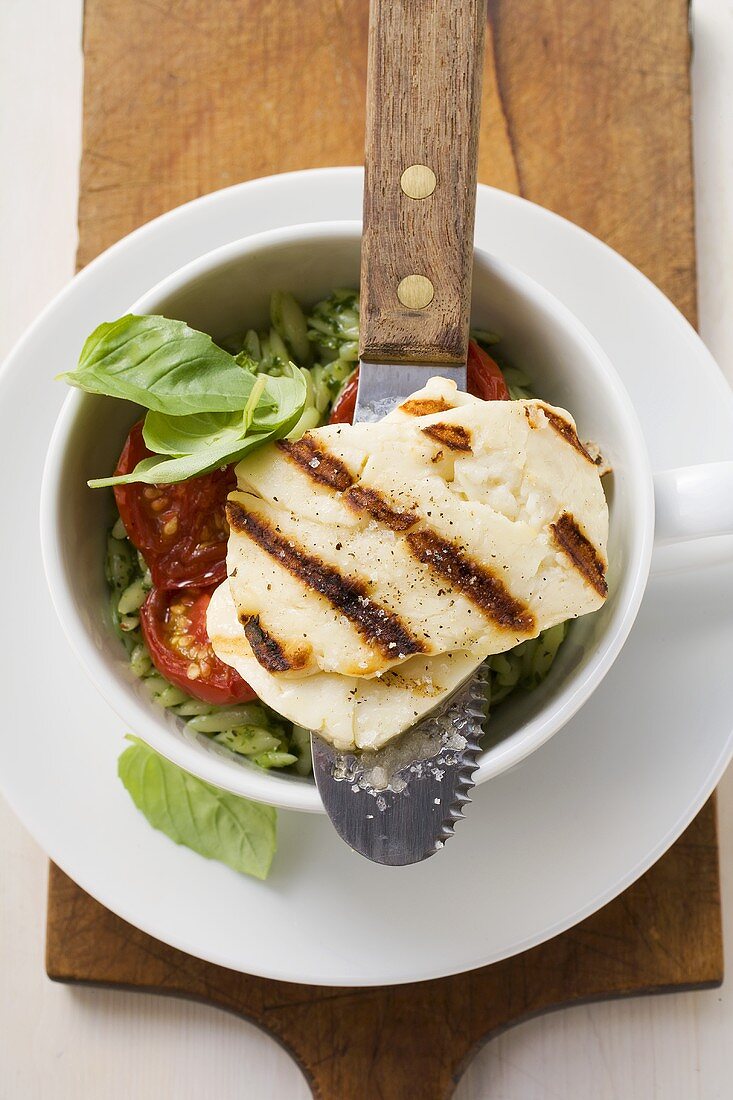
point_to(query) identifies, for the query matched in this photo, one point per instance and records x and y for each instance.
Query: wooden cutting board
(587, 111)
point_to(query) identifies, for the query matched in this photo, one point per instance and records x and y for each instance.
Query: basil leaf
(189, 445)
(162, 365)
(188, 435)
(282, 401)
(168, 469)
(212, 822)
(279, 403)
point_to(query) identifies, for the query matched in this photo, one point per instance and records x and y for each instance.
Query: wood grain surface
(586, 109)
(423, 103)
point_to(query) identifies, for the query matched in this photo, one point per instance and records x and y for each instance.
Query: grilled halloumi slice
(449, 530)
(350, 711)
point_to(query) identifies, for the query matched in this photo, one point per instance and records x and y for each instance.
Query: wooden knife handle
(422, 122)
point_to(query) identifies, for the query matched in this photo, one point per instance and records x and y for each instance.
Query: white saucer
(545, 844)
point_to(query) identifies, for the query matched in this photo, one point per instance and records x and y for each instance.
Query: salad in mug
(205, 408)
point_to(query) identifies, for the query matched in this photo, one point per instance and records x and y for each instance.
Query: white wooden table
(60, 1043)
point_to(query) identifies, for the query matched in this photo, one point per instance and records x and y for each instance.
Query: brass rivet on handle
(418, 181)
(415, 291)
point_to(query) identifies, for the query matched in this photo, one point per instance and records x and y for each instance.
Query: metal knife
(399, 805)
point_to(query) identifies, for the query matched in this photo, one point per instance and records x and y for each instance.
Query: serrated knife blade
(428, 772)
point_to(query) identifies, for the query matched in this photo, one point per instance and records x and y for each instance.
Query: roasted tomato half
(345, 404)
(484, 379)
(181, 530)
(174, 628)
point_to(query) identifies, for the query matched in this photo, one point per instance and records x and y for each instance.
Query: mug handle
(693, 502)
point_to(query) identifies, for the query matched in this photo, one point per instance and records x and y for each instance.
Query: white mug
(227, 290)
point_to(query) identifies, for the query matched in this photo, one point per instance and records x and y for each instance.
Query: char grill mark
(317, 463)
(453, 436)
(563, 428)
(474, 581)
(425, 406)
(582, 553)
(270, 652)
(360, 498)
(382, 629)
